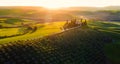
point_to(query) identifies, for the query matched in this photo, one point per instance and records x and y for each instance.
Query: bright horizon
(60, 3)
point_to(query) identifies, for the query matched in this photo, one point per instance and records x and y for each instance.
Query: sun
(51, 6)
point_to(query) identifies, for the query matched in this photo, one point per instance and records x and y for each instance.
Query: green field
(43, 30)
(8, 31)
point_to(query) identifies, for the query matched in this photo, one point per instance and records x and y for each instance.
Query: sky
(60, 3)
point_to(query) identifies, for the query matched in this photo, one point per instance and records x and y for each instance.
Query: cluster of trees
(27, 28)
(74, 23)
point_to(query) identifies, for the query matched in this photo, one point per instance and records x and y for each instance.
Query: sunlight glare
(51, 6)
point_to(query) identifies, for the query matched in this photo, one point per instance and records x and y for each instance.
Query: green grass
(8, 31)
(49, 28)
(6, 25)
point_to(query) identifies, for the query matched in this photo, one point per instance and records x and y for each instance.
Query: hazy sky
(59, 3)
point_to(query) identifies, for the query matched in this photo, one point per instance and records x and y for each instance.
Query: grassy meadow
(44, 29)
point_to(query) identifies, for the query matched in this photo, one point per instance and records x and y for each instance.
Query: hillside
(98, 43)
(75, 46)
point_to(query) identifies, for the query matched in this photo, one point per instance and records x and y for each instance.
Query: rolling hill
(88, 45)
(81, 45)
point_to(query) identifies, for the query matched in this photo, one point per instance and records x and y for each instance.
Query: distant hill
(112, 8)
(93, 8)
(22, 11)
(82, 8)
(37, 13)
